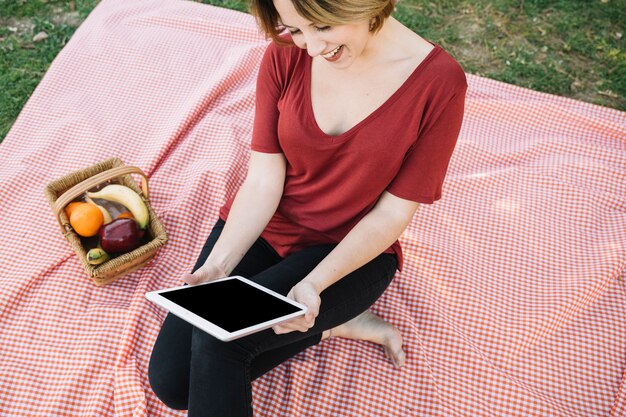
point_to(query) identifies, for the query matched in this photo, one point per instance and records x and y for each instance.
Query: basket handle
(91, 182)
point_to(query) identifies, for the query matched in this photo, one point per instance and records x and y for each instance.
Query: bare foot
(370, 327)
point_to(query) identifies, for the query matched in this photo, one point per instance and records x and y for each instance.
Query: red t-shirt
(404, 147)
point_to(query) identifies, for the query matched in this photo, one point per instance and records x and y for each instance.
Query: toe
(400, 358)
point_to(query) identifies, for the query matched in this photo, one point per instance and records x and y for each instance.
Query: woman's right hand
(207, 272)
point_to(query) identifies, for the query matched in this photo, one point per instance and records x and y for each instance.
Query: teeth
(333, 52)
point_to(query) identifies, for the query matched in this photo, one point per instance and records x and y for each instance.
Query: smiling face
(340, 45)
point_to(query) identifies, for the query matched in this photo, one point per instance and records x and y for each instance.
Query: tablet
(228, 308)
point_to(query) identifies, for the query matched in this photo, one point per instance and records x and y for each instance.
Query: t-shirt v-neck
(310, 113)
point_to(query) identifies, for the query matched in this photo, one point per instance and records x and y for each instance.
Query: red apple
(120, 236)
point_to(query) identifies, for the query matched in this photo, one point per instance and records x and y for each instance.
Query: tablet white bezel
(207, 326)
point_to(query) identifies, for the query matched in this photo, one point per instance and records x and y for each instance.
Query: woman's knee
(168, 386)
(168, 370)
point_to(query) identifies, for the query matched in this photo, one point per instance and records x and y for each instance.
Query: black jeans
(190, 369)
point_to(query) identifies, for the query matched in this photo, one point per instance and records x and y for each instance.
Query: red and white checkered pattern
(511, 301)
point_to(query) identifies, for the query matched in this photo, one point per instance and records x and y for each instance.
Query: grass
(572, 48)
(23, 62)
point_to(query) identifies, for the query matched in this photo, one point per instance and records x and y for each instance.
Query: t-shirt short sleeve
(268, 91)
(425, 164)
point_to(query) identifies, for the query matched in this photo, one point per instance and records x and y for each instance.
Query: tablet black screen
(231, 304)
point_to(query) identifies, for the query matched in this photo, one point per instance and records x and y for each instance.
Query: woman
(356, 120)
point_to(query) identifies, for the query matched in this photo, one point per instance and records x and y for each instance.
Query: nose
(315, 46)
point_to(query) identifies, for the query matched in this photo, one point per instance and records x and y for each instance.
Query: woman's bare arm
(378, 230)
(251, 211)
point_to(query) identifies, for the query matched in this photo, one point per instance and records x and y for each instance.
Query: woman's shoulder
(284, 58)
(446, 69)
(434, 62)
(285, 51)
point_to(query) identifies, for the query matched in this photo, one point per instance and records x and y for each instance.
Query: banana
(105, 213)
(127, 197)
(96, 256)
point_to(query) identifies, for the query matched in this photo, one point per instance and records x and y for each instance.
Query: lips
(333, 55)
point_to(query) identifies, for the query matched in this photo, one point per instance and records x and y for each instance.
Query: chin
(344, 63)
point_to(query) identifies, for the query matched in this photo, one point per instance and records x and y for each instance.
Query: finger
(307, 321)
(195, 278)
(281, 330)
(310, 316)
(292, 327)
(300, 323)
(285, 330)
(299, 326)
(189, 279)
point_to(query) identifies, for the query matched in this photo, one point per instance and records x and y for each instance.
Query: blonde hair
(325, 12)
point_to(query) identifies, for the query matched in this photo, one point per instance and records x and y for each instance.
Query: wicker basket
(67, 188)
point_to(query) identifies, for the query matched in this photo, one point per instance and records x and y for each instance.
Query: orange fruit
(71, 206)
(125, 215)
(86, 219)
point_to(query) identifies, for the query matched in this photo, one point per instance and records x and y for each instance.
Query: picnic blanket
(511, 303)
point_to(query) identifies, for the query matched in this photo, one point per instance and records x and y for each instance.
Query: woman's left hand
(304, 293)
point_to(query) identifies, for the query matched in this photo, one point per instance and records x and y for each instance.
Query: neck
(381, 47)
